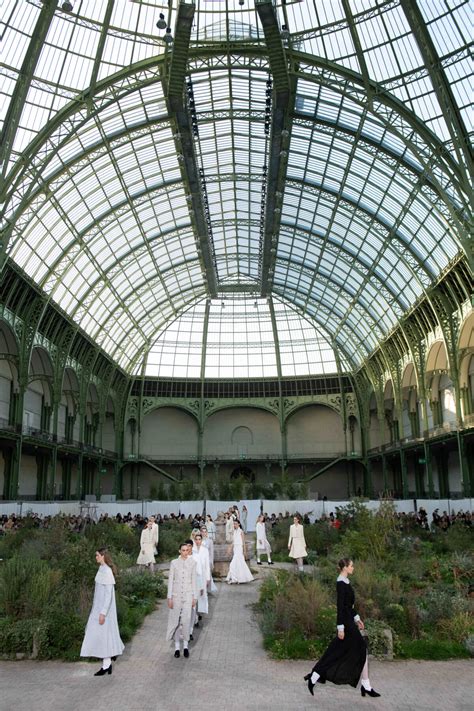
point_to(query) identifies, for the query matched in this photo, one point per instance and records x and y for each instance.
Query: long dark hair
(108, 560)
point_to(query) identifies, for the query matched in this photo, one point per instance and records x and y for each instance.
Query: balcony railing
(233, 457)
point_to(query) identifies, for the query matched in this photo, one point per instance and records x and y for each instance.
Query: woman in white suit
(297, 543)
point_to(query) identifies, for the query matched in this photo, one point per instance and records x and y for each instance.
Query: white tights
(364, 677)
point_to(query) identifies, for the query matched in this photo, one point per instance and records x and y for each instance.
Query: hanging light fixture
(67, 6)
(161, 24)
(168, 37)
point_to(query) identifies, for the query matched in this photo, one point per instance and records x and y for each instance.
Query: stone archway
(243, 472)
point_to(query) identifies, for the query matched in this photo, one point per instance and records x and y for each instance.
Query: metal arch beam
(101, 45)
(121, 262)
(82, 236)
(319, 307)
(346, 256)
(120, 136)
(386, 156)
(452, 116)
(17, 102)
(91, 257)
(103, 220)
(351, 298)
(178, 112)
(205, 52)
(282, 107)
(137, 287)
(392, 231)
(385, 98)
(107, 89)
(359, 51)
(149, 315)
(276, 341)
(337, 314)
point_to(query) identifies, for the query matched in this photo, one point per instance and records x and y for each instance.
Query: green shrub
(25, 586)
(138, 586)
(440, 603)
(64, 631)
(458, 628)
(115, 536)
(397, 617)
(377, 639)
(458, 537)
(172, 534)
(295, 615)
(21, 636)
(435, 649)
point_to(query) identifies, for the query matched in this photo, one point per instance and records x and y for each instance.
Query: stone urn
(223, 551)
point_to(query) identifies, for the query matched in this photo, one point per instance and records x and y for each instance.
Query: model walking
(297, 543)
(182, 597)
(345, 659)
(102, 636)
(263, 546)
(239, 572)
(147, 546)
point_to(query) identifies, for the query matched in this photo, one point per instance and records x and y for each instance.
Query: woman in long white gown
(102, 636)
(239, 572)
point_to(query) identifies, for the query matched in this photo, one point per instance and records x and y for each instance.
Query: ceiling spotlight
(168, 37)
(161, 24)
(67, 6)
(180, 157)
(285, 33)
(283, 154)
(285, 133)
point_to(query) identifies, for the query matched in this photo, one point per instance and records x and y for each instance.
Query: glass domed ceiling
(324, 165)
(241, 338)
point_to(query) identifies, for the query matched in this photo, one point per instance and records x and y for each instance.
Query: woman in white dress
(208, 543)
(263, 546)
(239, 572)
(147, 546)
(297, 543)
(102, 636)
(203, 573)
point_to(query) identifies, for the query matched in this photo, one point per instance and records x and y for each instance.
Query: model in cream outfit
(182, 597)
(297, 543)
(147, 547)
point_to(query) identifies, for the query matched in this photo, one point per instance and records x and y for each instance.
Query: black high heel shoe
(310, 683)
(101, 671)
(372, 692)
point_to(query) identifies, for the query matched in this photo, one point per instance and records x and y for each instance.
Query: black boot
(372, 692)
(310, 683)
(101, 672)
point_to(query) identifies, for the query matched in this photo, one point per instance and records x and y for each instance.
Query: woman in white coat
(263, 546)
(147, 546)
(297, 543)
(102, 636)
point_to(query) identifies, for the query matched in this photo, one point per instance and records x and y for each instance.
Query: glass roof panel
(371, 182)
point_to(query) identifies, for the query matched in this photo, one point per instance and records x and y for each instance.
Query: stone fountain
(223, 551)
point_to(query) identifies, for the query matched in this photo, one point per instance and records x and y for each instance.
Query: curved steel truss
(313, 154)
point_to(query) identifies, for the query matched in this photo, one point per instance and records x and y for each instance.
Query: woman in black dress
(345, 660)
